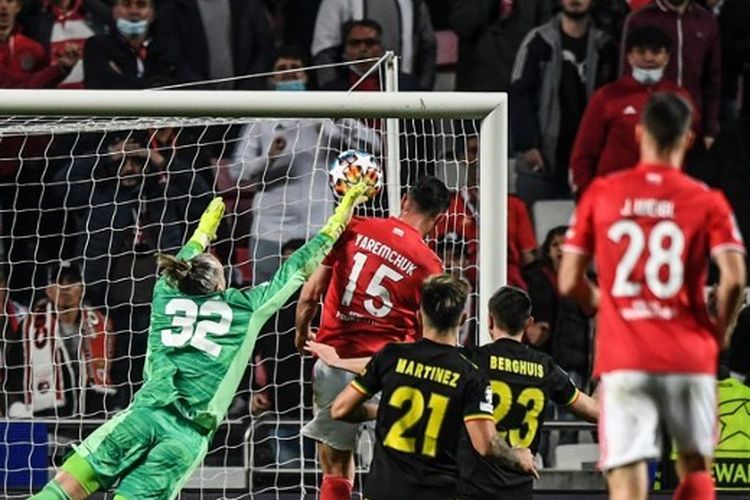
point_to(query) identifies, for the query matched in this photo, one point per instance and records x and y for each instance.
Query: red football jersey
(650, 231)
(374, 294)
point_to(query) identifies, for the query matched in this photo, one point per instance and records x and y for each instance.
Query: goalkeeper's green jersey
(199, 345)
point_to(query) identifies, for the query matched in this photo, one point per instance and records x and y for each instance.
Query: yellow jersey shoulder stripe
(360, 388)
(478, 416)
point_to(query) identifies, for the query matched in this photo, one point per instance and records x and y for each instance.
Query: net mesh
(100, 197)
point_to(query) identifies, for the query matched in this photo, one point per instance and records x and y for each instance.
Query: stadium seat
(549, 214)
(576, 456)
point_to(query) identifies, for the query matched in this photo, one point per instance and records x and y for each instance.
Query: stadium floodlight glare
(427, 126)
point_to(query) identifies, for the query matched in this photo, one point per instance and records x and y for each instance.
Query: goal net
(90, 195)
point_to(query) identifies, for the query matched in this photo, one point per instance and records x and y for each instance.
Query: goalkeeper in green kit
(200, 341)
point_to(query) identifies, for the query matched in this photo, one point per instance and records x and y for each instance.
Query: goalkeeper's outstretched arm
(269, 297)
(205, 233)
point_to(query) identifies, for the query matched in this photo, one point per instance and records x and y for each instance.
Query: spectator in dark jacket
(220, 39)
(131, 203)
(696, 60)
(734, 20)
(606, 137)
(130, 56)
(363, 39)
(490, 32)
(62, 332)
(59, 24)
(567, 330)
(557, 69)
(406, 29)
(609, 16)
(727, 164)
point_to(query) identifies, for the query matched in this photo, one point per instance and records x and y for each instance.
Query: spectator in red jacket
(606, 137)
(696, 61)
(23, 61)
(460, 222)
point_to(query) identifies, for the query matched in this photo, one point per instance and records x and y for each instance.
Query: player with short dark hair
(200, 340)
(523, 380)
(650, 231)
(429, 392)
(372, 282)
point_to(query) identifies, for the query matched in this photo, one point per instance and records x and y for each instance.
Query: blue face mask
(131, 29)
(290, 85)
(648, 76)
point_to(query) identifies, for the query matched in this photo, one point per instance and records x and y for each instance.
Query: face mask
(290, 85)
(648, 76)
(131, 29)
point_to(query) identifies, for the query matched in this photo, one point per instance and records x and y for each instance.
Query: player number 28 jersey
(650, 231)
(375, 290)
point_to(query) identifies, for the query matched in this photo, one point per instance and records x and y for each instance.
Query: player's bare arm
(307, 304)
(585, 407)
(330, 357)
(732, 278)
(351, 406)
(574, 284)
(487, 443)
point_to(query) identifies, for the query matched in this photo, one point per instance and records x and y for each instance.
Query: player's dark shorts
(152, 450)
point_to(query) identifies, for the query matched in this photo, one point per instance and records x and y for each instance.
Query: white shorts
(634, 404)
(327, 384)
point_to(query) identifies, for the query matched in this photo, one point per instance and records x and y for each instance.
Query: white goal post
(490, 108)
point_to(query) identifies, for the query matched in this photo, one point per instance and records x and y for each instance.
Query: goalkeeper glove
(206, 231)
(336, 224)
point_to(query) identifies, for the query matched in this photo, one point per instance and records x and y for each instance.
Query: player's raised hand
(526, 461)
(356, 195)
(325, 352)
(209, 223)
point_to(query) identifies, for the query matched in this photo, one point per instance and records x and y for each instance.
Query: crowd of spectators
(578, 73)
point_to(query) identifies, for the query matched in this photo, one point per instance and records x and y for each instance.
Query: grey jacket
(407, 30)
(488, 44)
(535, 83)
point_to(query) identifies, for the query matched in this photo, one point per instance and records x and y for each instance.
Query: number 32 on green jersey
(195, 323)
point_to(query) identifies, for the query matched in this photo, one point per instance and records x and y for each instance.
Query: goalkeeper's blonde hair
(200, 275)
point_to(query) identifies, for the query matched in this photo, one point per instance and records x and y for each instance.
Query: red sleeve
(723, 232)
(580, 235)
(44, 78)
(589, 144)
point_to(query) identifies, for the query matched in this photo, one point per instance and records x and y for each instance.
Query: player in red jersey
(372, 281)
(650, 231)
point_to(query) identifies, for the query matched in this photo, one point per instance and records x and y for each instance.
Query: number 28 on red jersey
(650, 231)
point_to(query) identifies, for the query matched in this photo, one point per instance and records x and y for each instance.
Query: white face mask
(648, 76)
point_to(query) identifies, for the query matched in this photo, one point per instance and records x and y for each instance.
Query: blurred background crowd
(75, 283)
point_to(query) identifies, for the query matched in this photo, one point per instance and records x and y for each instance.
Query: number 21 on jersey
(413, 399)
(185, 315)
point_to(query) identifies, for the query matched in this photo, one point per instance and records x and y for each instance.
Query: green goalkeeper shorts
(152, 451)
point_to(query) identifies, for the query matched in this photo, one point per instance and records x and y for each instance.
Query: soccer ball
(351, 166)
